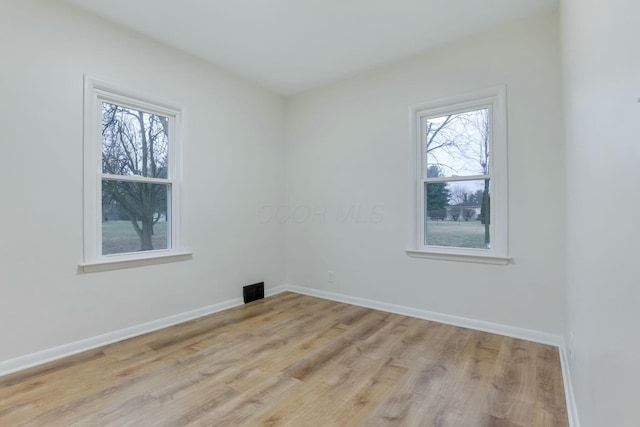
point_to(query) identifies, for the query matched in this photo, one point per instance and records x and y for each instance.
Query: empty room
(319, 213)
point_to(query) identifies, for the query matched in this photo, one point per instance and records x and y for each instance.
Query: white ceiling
(292, 45)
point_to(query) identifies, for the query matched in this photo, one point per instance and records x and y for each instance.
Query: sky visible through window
(458, 145)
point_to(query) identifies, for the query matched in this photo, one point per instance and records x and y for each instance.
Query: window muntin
(131, 176)
(461, 175)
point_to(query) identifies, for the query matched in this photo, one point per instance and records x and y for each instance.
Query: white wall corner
(274, 291)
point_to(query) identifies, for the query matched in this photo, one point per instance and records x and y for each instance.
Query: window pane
(457, 214)
(134, 142)
(458, 144)
(134, 216)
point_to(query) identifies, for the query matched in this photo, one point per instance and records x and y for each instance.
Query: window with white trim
(461, 178)
(131, 177)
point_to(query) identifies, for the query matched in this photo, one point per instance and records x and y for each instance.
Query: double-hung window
(131, 179)
(461, 178)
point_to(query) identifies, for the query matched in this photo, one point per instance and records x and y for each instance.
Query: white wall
(233, 165)
(602, 86)
(347, 202)
(349, 153)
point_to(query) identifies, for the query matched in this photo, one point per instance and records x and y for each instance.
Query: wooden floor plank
(295, 360)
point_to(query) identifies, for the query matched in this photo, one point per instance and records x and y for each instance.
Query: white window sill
(477, 258)
(119, 264)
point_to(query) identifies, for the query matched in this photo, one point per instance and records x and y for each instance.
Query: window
(131, 179)
(461, 178)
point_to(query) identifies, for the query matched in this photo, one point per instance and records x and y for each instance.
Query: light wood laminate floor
(295, 360)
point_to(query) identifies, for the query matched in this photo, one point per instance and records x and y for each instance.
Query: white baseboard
(273, 291)
(572, 409)
(480, 325)
(49, 355)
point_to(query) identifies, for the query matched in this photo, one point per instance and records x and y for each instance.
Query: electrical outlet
(330, 276)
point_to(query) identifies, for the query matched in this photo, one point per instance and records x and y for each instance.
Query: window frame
(495, 100)
(96, 92)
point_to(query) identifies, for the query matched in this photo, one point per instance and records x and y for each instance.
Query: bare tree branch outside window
(134, 144)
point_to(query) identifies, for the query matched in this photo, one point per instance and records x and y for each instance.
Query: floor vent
(253, 292)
